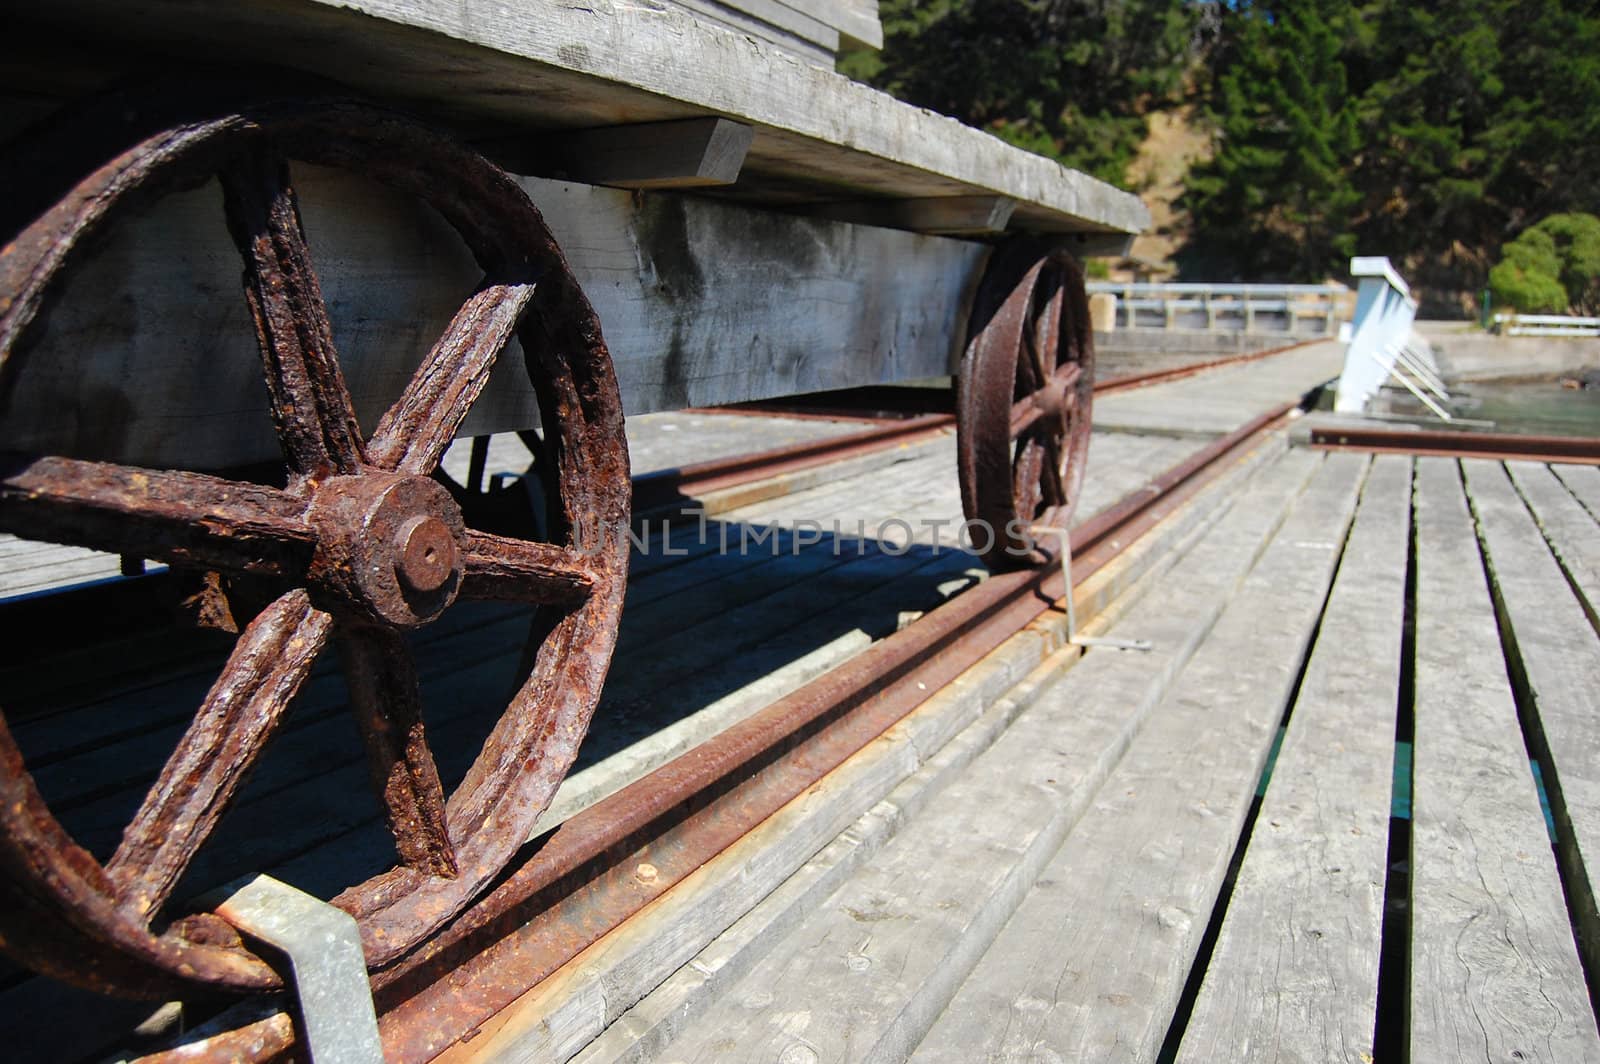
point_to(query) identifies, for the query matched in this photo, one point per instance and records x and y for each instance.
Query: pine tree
(1276, 200)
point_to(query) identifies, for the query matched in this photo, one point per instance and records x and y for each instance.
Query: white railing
(1382, 345)
(1545, 325)
(1293, 309)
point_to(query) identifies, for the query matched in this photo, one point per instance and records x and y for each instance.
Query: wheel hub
(388, 548)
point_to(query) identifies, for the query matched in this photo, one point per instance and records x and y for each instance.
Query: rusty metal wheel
(1023, 400)
(362, 544)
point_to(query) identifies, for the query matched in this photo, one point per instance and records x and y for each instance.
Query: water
(1542, 408)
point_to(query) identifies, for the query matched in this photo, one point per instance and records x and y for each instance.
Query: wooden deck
(1307, 826)
(707, 638)
(1341, 810)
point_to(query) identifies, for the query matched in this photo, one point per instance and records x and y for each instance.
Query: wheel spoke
(516, 570)
(388, 705)
(1047, 331)
(1057, 398)
(311, 405)
(1025, 478)
(240, 714)
(414, 433)
(1025, 413)
(1050, 480)
(187, 519)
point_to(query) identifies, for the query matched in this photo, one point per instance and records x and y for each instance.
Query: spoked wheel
(1023, 400)
(361, 544)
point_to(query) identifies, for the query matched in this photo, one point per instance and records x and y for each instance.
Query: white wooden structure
(1382, 344)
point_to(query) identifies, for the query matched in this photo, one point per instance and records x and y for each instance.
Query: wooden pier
(1340, 809)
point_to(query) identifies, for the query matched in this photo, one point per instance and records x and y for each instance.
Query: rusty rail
(583, 879)
(670, 487)
(1505, 446)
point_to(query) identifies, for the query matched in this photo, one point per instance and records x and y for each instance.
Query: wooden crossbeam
(692, 152)
(932, 214)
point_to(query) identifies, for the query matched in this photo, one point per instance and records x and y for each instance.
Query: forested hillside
(1432, 133)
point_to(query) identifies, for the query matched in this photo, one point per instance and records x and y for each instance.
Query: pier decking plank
(611, 976)
(883, 956)
(1222, 399)
(1494, 971)
(1584, 483)
(1557, 658)
(1572, 532)
(1092, 965)
(1294, 974)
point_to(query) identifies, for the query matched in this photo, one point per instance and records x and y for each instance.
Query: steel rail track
(581, 881)
(1505, 446)
(669, 488)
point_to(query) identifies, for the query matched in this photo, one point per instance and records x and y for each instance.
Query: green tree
(1276, 199)
(1551, 267)
(1069, 79)
(1472, 119)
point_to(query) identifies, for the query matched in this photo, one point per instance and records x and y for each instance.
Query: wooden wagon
(740, 220)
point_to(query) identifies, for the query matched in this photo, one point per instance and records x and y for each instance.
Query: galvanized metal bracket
(328, 967)
(1063, 540)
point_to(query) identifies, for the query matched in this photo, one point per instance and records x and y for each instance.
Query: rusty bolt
(427, 553)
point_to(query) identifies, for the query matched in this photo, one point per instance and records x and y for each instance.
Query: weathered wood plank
(150, 357)
(688, 153)
(892, 777)
(552, 1026)
(1294, 974)
(855, 19)
(1106, 597)
(1093, 963)
(545, 64)
(1556, 655)
(971, 215)
(1219, 400)
(791, 29)
(1584, 483)
(1571, 531)
(1494, 972)
(864, 977)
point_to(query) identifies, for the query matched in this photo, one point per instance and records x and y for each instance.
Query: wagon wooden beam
(691, 153)
(966, 215)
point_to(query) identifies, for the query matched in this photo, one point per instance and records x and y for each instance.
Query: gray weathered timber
(1092, 965)
(1107, 597)
(1584, 483)
(865, 976)
(892, 777)
(1294, 974)
(855, 19)
(1571, 531)
(150, 356)
(943, 214)
(1220, 400)
(501, 67)
(572, 1007)
(1559, 655)
(1494, 972)
(776, 23)
(687, 153)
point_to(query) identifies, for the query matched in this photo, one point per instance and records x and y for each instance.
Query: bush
(1577, 241)
(1552, 267)
(1527, 290)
